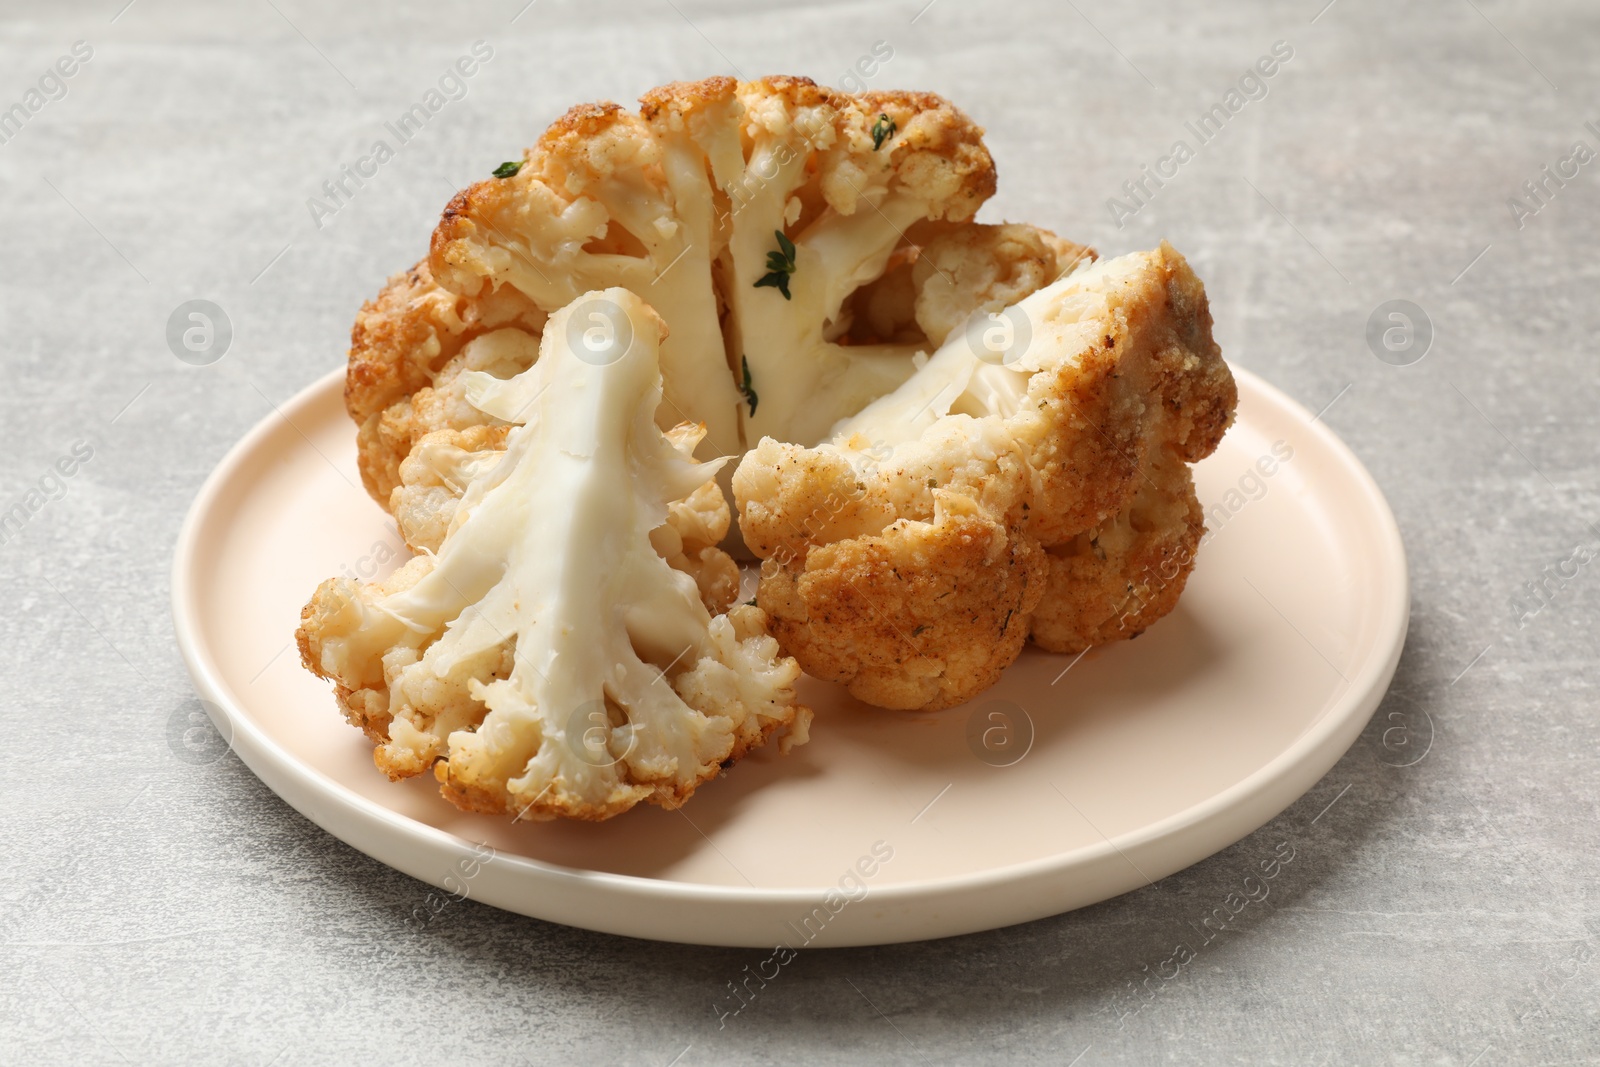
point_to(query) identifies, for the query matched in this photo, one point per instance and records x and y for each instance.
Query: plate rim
(284, 774)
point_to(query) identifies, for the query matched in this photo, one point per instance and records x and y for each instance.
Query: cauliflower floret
(402, 342)
(1112, 582)
(748, 213)
(986, 268)
(908, 556)
(434, 475)
(788, 279)
(695, 526)
(547, 659)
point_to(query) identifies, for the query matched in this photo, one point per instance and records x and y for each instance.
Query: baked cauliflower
(1017, 484)
(566, 648)
(953, 436)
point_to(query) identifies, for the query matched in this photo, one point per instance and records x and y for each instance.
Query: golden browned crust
(388, 357)
(922, 616)
(686, 97)
(1197, 388)
(401, 341)
(801, 91)
(937, 134)
(398, 339)
(579, 122)
(455, 221)
(1111, 583)
(1121, 554)
(1154, 377)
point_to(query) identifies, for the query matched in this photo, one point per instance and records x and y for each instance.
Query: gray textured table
(157, 909)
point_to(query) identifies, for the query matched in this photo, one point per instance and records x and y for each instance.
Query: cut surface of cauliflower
(548, 658)
(747, 213)
(912, 555)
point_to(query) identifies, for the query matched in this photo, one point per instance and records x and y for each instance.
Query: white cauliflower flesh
(786, 296)
(549, 659)
(748, 214)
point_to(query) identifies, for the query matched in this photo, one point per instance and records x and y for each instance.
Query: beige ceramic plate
(1051, 791)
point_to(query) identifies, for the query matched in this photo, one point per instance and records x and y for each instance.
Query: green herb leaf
(508, 169)
(775, 279)
(882, 130)
(780, 265)
(744, 364)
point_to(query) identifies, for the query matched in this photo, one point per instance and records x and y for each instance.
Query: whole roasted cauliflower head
(1015, 485)
(566, 647)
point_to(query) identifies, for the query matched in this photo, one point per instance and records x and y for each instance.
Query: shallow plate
(1070, 781)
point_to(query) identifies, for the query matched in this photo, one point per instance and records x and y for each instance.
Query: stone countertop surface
(156, 909)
